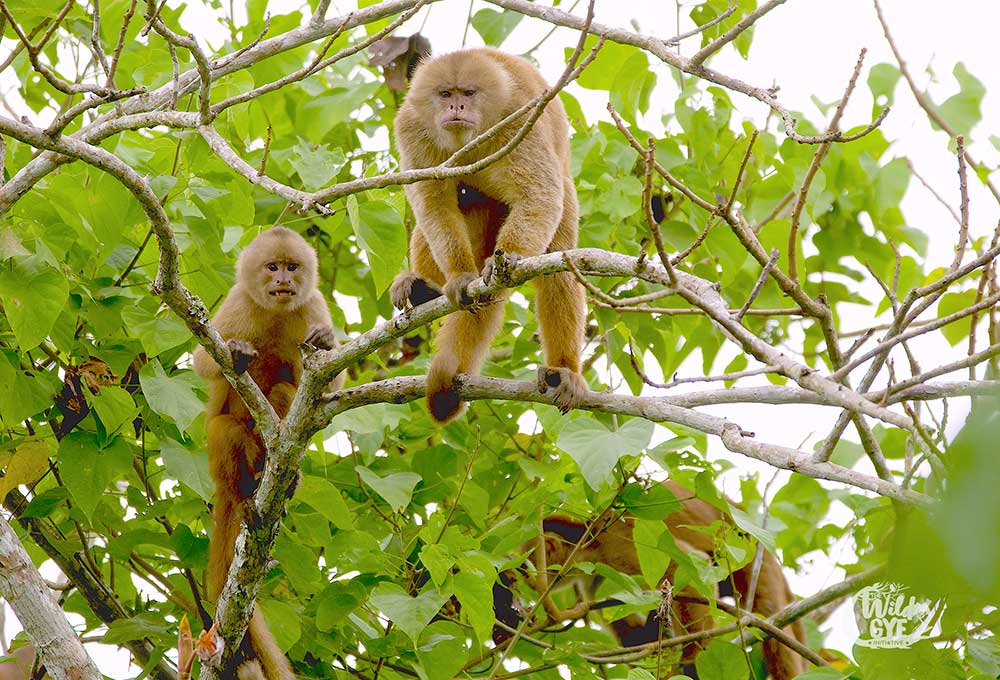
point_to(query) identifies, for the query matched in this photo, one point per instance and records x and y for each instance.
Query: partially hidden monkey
(273, 307)
(524, 204)
(612, 544)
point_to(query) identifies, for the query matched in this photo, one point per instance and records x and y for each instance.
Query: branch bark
(22, 586)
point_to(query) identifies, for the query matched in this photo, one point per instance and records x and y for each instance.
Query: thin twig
(759, 284)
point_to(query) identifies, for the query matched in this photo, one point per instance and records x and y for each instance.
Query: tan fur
(254, 320)
(614, 546)
(529, 207)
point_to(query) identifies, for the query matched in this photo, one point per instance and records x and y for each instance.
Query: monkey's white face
(282, 281)
(457, 108)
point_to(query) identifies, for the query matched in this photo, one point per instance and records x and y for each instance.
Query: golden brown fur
(614, 546)
(273, 307)
(527, 206)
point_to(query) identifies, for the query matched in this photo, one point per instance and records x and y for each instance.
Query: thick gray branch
(22, 586)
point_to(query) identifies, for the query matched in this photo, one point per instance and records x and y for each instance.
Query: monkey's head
(459, 95)
(278, 270)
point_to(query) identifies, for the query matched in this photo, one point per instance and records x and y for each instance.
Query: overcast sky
(808, 48)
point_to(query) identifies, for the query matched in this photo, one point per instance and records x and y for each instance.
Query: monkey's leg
(265, 647)
(281, 396)
(562, 315)
(462, 343)
(421, 285)
(772, 595)
(227, 444)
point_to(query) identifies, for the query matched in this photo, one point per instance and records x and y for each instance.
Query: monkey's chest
(484, 215)
(268, 369)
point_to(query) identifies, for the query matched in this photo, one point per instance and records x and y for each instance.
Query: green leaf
(882, 81)
(654, 503)
(474, 589)
(380, 232)
(962, 111)
(442, 651)
(87, 469)
(338, 600)
(596, 449)
(24, 394)
(494, 27)
(743, 521)
(410, 614)
(114, 407)
(145, 625)
(721, 661)
(169, 396)
(957, 331)
(156, 332)
(325, 498)
(396, 489)
(187, 467)
(640, 674)
(283, 622)
(26, 465)
(984, 655)
(438, 560)
(317, 166)
(652, 561)
(33, 294)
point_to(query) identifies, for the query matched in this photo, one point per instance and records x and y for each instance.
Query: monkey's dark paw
(408, 289)
(500, 268)
(321, 337)
(242, 353)
(567, 388)
(456, 290)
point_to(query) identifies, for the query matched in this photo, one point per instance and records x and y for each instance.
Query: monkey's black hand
(499, 267)
(242, 353)
(456, 290)
(568, 388)
(408, 289)
(321, 337)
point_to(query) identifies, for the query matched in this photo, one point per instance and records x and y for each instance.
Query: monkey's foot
(242, 353)
(500, 268)
(568, 388)
(321, 337)
(456, 290)
(409, 289)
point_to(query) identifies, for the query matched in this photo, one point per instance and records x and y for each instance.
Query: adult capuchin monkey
(612, 544)
(273, 307)
(522, 205)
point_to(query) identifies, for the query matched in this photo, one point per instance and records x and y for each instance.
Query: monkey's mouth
(457, 122)
(282, 293)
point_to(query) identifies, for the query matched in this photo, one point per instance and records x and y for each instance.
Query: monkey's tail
(462, 343)
(266, 650)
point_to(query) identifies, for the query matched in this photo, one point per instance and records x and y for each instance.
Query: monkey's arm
(320, 332)
(435, 205)
(536, 203)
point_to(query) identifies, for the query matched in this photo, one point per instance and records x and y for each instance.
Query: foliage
(103, 436)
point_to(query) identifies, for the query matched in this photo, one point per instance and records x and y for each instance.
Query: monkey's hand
(456, 290)
(408, 289)
(321, 337)
(499, 267)
(242, 353)
(568, 388)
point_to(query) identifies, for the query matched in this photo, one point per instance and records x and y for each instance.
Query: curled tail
(462, 343)
(267, 651)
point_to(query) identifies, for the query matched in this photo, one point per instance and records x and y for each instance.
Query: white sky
(809, 49)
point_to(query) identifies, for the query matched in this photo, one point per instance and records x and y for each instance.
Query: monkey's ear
(398, 57)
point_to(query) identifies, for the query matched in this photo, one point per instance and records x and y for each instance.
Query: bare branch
(699, 57)
(48, 630)
(661, 50)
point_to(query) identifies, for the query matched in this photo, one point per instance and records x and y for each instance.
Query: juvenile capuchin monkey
(522, 205)
(273, 307)
(612, 544)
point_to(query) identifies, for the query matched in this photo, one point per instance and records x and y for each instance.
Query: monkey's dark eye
(292, 266)
(272, 267)
(444, 94)
(469, 93)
